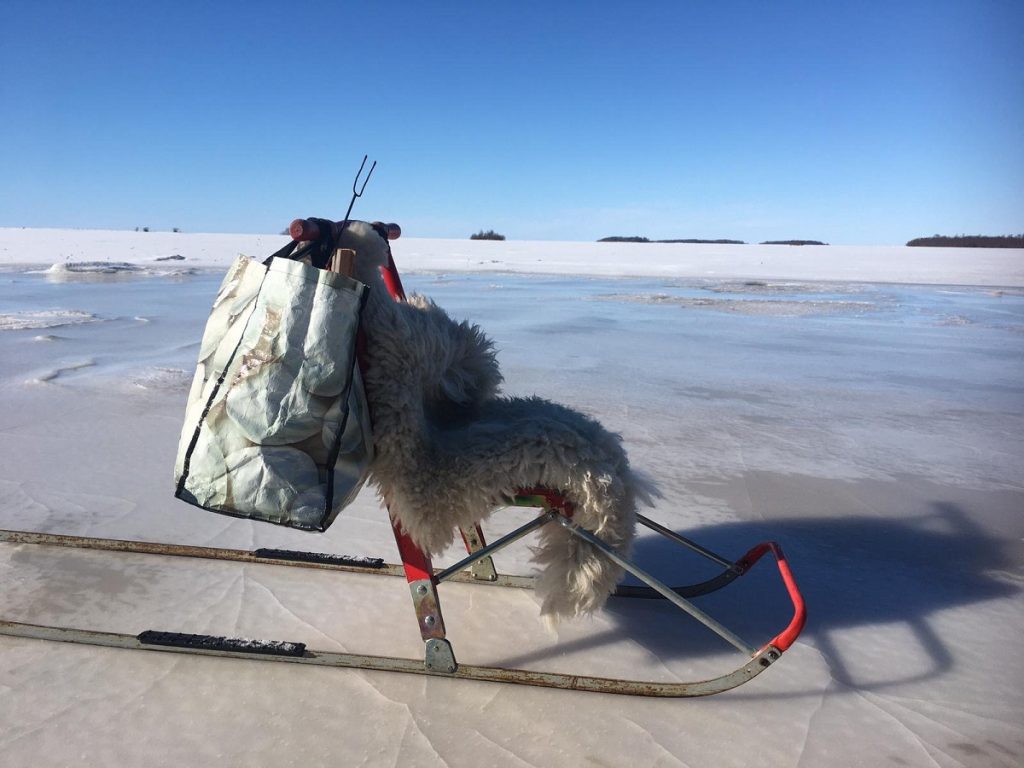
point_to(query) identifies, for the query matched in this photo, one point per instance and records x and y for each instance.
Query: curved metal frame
(439, 660)
(587, 683)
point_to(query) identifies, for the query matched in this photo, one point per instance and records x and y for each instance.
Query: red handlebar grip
(301, 229)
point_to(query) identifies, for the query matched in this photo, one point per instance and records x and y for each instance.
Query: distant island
(970, 241)
(490, 234)
(713, 242)
(793, 242)
(638, 239)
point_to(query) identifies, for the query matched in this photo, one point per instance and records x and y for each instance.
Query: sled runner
(315, 239)
(439, 658)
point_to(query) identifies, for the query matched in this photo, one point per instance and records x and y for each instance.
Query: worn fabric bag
(277, 427)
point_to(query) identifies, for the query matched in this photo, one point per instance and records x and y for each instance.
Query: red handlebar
(301, 229)
(304, 229)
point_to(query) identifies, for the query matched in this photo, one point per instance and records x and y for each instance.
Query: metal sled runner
(439, 658)
(477, 568)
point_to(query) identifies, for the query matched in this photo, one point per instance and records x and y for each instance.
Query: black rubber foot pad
(318, 557)
(212, 643)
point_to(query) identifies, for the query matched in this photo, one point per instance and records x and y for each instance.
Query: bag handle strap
(320, 248)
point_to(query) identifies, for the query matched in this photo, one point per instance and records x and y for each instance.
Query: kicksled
(477, 568)
(329, 489)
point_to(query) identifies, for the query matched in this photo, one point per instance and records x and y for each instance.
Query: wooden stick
(343, 261)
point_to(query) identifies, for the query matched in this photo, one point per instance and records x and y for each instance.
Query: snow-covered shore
(884, 264)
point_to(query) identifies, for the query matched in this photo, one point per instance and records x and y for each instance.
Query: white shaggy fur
(449, 449)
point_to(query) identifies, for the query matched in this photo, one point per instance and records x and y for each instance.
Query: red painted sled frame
(423, 580)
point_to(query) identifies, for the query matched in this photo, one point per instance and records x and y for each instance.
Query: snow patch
(46, 318)
(764, 307)
(111, 270)
(93, 268)
(163, 379)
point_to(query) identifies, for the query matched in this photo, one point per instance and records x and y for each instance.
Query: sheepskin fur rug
(449, 448)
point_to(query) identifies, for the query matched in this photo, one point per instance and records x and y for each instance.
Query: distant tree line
(970, 241)
(638, 239)
(490, 234)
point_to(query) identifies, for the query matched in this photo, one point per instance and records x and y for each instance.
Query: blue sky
(852, 122)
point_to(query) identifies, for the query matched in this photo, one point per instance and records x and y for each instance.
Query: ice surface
(875, 429)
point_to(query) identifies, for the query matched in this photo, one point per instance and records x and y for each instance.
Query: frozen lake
(875, 430)
(840, 380)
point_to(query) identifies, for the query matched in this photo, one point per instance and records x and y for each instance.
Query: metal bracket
(483, 569)
(439, 656)
(428, 610)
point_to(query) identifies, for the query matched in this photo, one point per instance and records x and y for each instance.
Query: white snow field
(862, 406)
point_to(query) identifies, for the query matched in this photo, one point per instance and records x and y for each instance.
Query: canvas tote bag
(277, 427)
